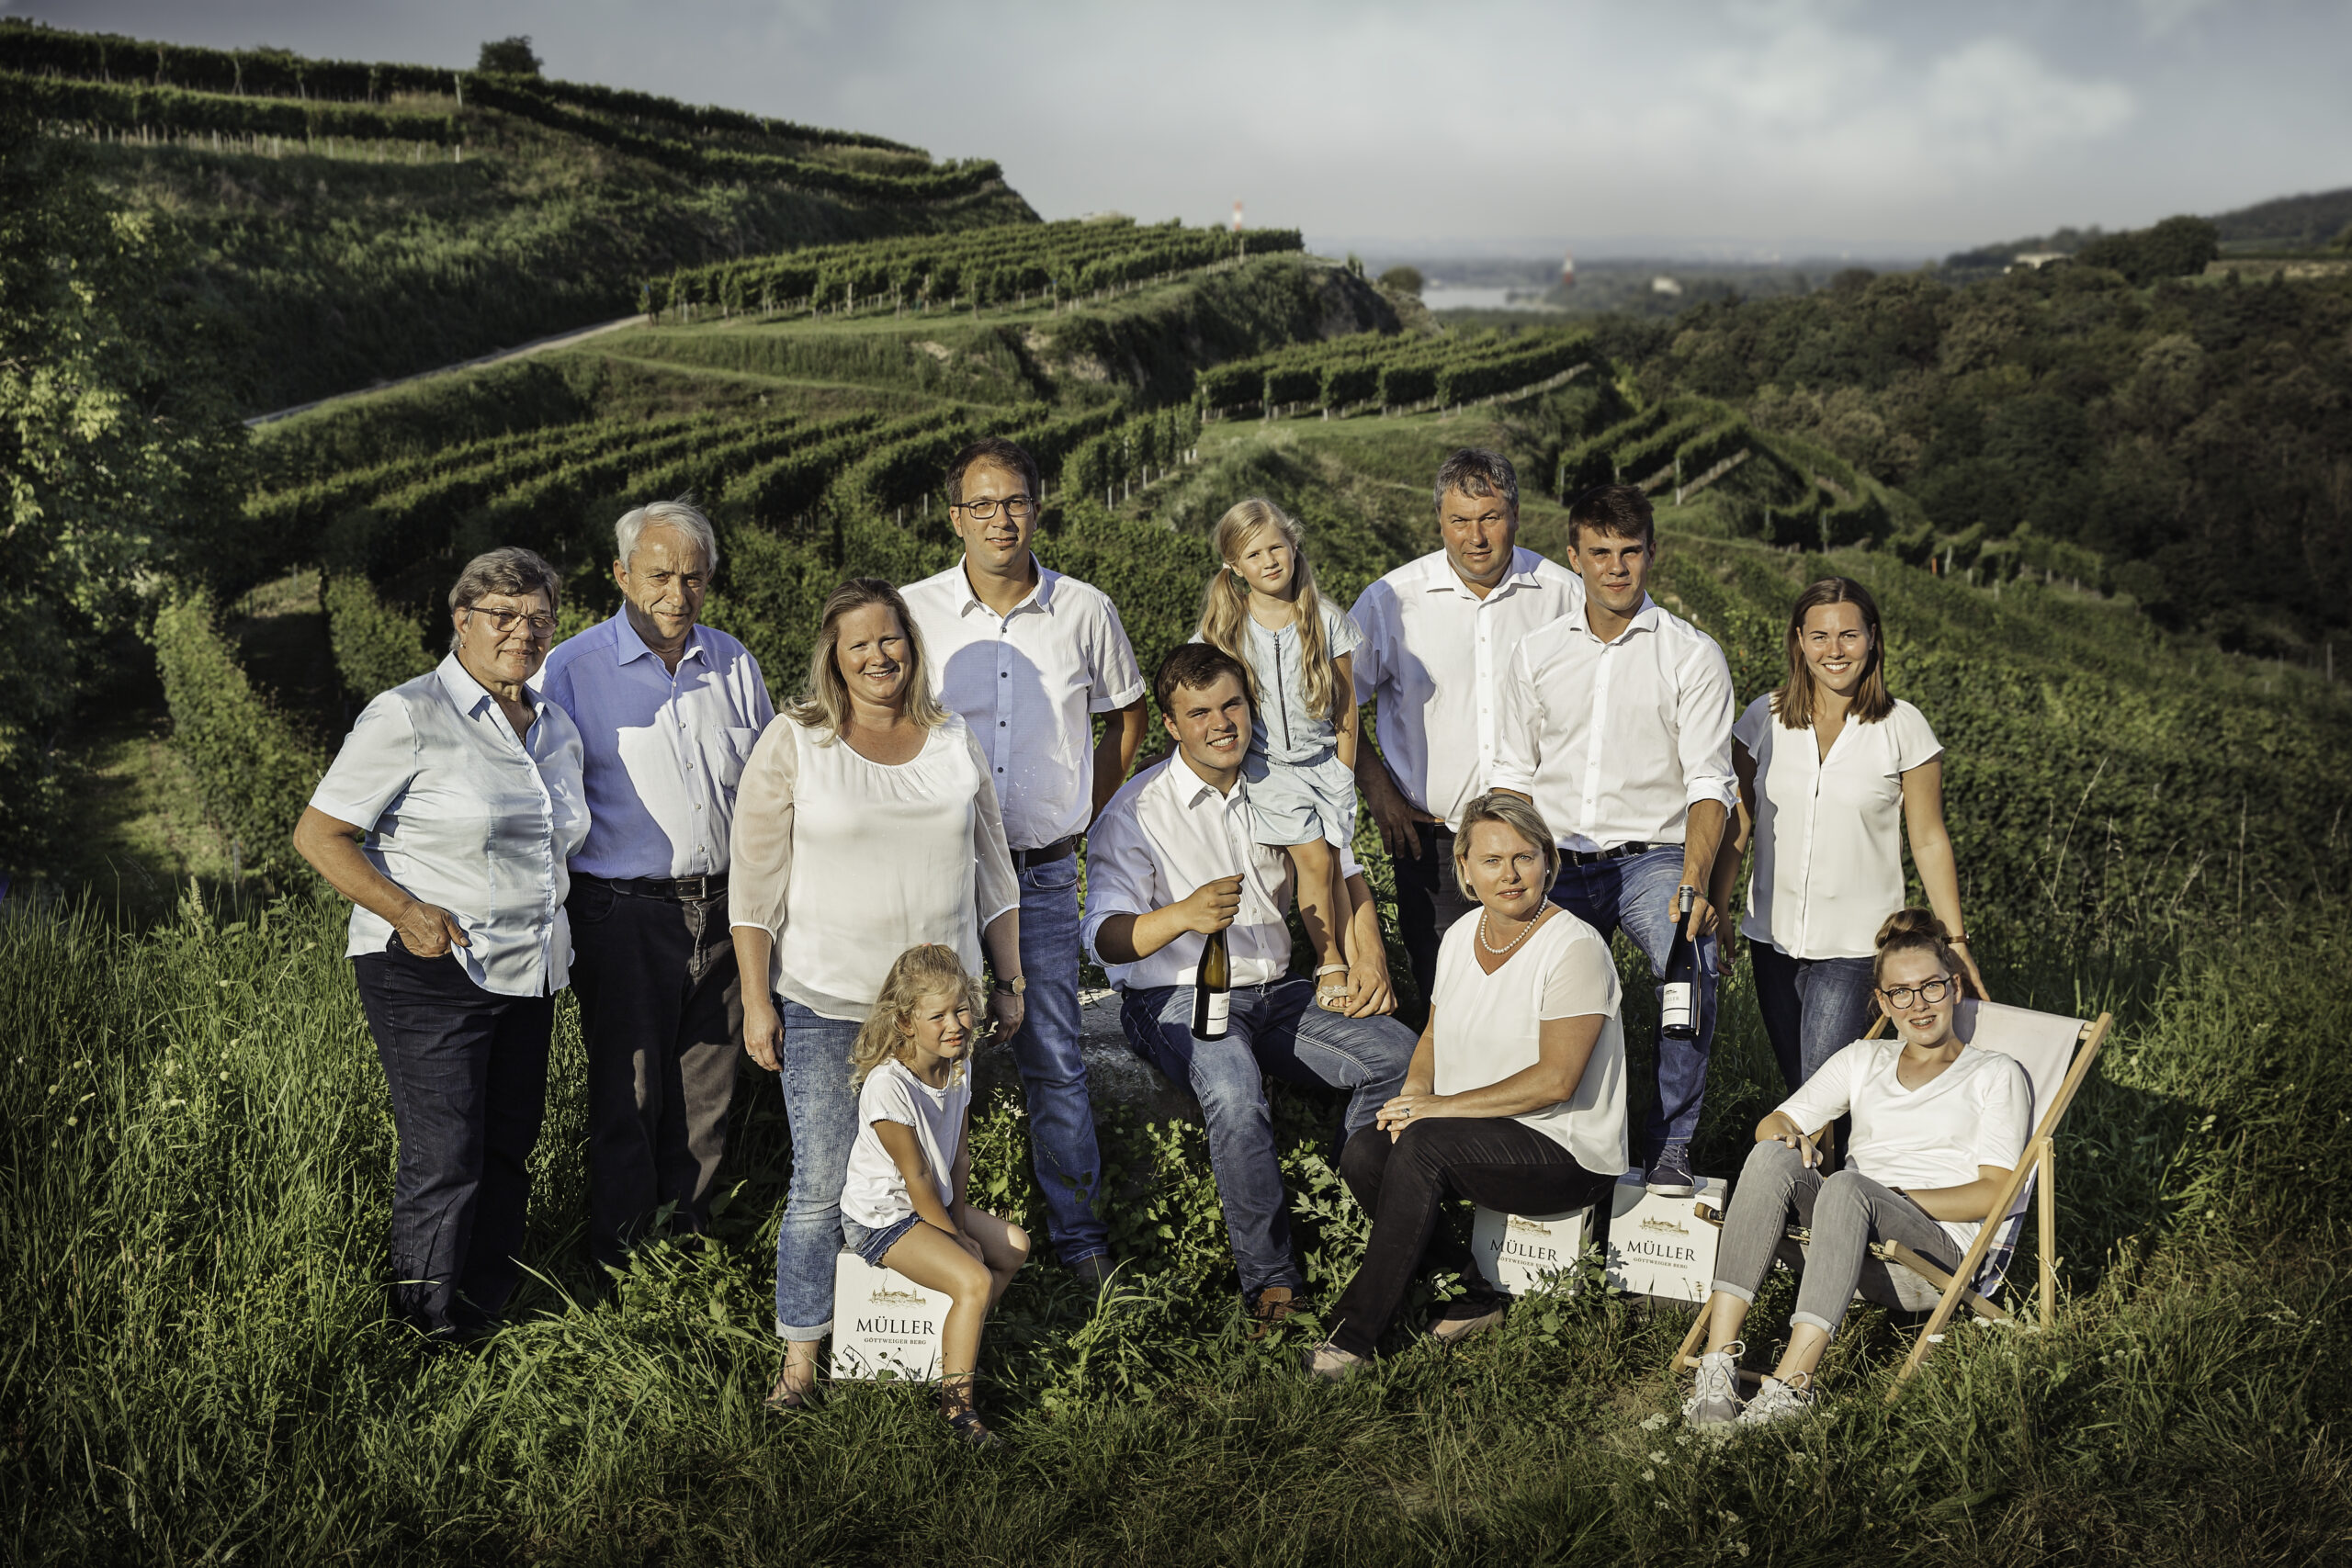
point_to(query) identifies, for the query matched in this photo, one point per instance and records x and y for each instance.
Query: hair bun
(1912, 925)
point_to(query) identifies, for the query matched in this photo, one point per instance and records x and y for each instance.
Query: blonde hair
(929, 970)
(1226, 607)
(824, 705)
(1521, 818)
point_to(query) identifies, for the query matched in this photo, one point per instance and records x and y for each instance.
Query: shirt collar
(469, 695)
(1645, 619)
(1040, 598)
(629, 648)
(1438, 574)
(1190, 789)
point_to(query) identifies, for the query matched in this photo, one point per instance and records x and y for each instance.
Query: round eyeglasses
(1930, 993)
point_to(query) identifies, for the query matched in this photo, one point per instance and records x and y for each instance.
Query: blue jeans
(822, 1110)
(1812, 1008)
(1053, 1073)
(1275, 1029)
(1637, 895)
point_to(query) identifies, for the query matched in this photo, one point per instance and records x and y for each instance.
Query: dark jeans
(468, 1071)
(1812, 1008)
(663, 1018)
(1427, 903)
(1404, 1184)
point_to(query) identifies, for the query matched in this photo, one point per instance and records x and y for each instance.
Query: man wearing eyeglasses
(1029, 657)
(669, 711)
(1437, 636)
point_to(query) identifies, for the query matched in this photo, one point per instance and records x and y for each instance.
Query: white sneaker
(1777, 1401)
(1715, 1398)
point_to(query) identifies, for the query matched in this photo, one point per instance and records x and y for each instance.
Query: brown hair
(1226, 607)
(1521, 817)
(1009, 455)
(1917, 930)
(824, 705)
(1792, 704)
(1195, 666)
(510, 571)
(1474, 471)
(929, 970)
(1620, 510)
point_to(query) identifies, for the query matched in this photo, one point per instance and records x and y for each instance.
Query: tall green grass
(193, 1207)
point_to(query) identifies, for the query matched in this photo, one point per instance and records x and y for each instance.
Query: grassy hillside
(348, 223)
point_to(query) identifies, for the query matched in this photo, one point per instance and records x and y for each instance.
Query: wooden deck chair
(2056, 1053)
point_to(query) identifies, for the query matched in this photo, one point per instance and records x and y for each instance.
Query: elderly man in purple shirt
(668, 712)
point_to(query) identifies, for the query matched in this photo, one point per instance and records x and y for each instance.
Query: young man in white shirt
(1438, 634)
(1615, 720)
(668, 711)
(1028, 658)
(1173, 859)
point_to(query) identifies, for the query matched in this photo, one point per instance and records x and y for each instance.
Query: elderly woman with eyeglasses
(448, 819)
(1938, 1126)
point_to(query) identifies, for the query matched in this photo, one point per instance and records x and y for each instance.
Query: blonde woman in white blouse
(866, 824)
(1515, 1096)
(1832, 770)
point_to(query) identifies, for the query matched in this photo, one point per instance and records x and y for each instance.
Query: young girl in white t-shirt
(1938, 1126)
(903, 1202)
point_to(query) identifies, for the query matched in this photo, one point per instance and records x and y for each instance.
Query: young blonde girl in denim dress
(1262, 607)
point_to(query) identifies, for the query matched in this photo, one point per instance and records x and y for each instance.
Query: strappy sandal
(972, 1431)
(783, 1400)
(1326, 998)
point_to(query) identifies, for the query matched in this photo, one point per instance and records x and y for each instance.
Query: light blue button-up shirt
(665, 751)
(462, 814)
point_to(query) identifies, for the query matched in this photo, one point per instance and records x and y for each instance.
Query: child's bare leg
(1005, 1248)
(1315, 869)
(938, 1262)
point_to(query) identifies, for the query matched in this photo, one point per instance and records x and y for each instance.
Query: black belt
(1594, 857)
(1059, 850)
(676, 889)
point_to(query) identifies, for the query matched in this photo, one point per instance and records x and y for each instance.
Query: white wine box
(1516, 1251)
(884, 1323)
(1656, 1246)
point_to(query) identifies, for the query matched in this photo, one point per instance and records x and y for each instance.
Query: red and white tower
(1236, 215)
(1568, 270)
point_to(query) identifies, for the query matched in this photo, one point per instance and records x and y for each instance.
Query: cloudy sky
(1673, 126)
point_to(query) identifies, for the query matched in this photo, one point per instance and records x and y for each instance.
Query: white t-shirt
(1976, 1111)
(1828, 830)
(875, 1192)
(1490, 1026)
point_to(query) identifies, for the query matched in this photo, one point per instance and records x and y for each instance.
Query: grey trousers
(1847, 1211)
(663, 1018)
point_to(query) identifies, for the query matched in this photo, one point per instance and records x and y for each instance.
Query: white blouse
(1490, 1026)
(1829, 866)
(848, 862)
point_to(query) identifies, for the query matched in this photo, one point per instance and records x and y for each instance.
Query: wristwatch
(1017, 985)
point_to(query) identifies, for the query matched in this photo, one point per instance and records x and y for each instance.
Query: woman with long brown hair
(866, 823)
(1833, 769)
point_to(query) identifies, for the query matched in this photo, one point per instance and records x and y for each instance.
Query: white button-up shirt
(461, 814)
(1165, 833)
(665, 751)
(1615, 741)
(1828, 865)
(1029, 683)
(1431, 664)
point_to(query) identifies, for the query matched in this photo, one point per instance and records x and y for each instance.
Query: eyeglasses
(1928, 994)
(1015, 507)
(541, 626)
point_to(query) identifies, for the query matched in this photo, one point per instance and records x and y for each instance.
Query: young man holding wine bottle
(1615, 720)
(1174, 873)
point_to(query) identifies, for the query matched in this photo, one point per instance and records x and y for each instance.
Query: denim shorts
(872, 1244)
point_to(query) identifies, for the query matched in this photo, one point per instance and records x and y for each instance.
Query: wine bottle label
(1675, 1006)
(1220, 1008)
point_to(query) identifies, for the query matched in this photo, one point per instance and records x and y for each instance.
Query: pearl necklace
(1499, 952)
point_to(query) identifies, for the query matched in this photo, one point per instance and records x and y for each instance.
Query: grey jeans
(1846, 1213)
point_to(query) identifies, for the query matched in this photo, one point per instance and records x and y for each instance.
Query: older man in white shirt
(1029, 657)
(1615, 721)
(1439, 632)
(668, 711)
(1173, 859)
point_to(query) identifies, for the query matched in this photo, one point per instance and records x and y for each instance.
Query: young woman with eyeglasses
(1938, 1128)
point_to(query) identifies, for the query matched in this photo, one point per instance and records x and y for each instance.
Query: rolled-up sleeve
(1518, 719)
(1120, 877)
(1113, 679)
(376, 763)
(760, 850)
(1703, 736)
(995, 886)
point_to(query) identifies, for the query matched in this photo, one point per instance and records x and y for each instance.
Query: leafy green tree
(510, 56)
(119, 462)
(1403, 280)
(2178, 247)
